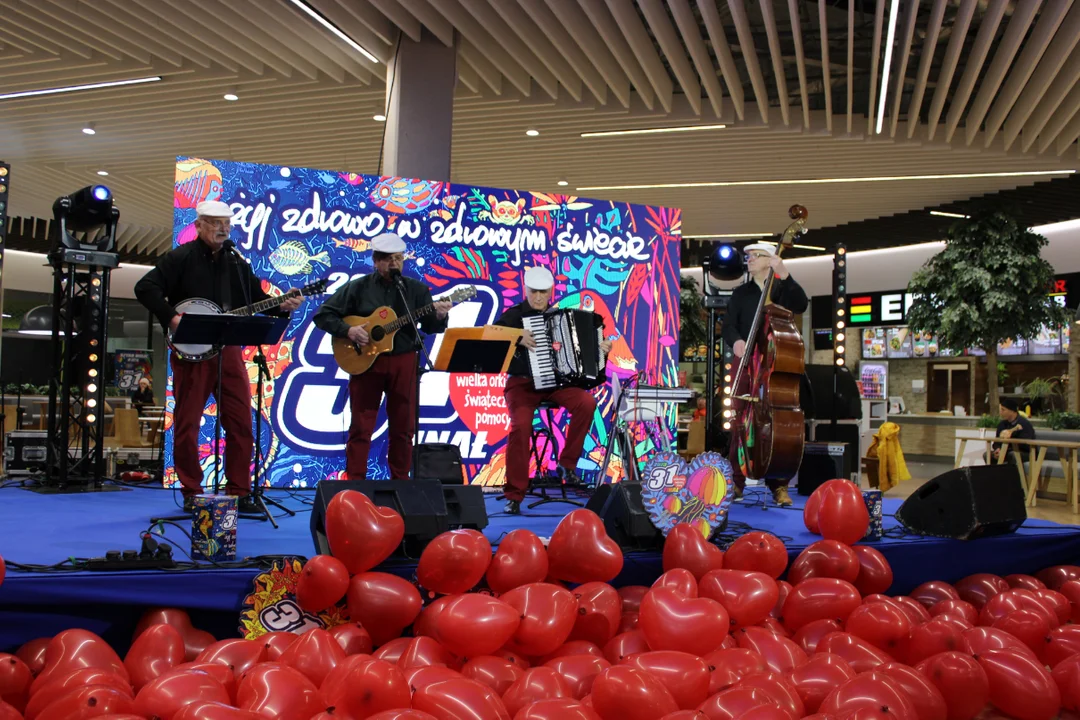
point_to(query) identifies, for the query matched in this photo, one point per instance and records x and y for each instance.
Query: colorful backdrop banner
(296, 225)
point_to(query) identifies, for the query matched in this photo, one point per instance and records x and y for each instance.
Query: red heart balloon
(859, 654)
(1056, 602)
(825, 558)
(538, 683)
(156, 651)
(1025, 582)
(1056, 576)
(473, 624)
(496, 673)
(341, 676)
(673, 622)
(624, 645)
(882, 625)
(928, 701)
(420, 676)
(956, 608)
(323, 581)
(558, 709)
(735, 702)
(977, 589)
(165, 695)
(629, 621)
(875, 573)
(391, 715)
(454, 562)
(812, 509)
(929, 639)
(820, 598)
(843, 515)
(195, 641)
(78, 679)
(520, 560)
(547, 616)
(426, 652)
(384, 604)
(573, 647)
(425, 621)
(352, 638)
(747, 596)
(314, 655)
(279, 692)
(75, 649)
(870, 693)
(1070, 590)
(780, 654)
(632, 595)
(758, 551)
(1020, 686)
(276, 643)
(766, 712)
(983, 639)
(599, 612)
(33, 654)
(961, 680)
(1064, 642)
(15, 680)
(360, 533)
(685, 547)
(392, 651)
(222, 673)
(810, 634)
(728, 666)
(9, 713)
(630, 694)
(580, 550)
(931, 593)
(818, 677)
(579, 672)
(1067, 677)
(684, 675)
(214, 711)
(237, 654)
(89, 702)
(773, 625)
(460, 700)
(778, 687)
(1009, 601)
(1029, 627)
(680, 580)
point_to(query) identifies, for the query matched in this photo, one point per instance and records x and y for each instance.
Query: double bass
(767, 424)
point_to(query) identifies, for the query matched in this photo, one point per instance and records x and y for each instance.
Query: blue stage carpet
(43, 530)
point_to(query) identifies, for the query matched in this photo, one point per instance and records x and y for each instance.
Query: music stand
(488, 349)
(226, 331)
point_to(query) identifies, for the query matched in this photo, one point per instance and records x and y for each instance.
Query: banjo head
(187, 351)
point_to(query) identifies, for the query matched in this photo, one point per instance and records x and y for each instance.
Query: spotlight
(91, 418)
(531, 132)
(38, 321)
(91, 403)
(840, 361)
(727, 426)
(91, 388)
(840, 324)
(840, 337)
(85, 210)
(725, 264)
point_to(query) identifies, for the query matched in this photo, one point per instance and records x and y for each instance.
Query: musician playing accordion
(522, 397)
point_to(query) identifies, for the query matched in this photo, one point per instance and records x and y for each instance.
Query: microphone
(395, 276)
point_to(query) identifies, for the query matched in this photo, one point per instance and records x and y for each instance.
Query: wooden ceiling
(975, 87)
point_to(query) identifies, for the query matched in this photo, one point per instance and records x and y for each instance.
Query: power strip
(133, 560)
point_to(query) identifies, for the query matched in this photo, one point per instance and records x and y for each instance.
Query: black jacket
(514, 318)
(1024, 430)
(743, 306)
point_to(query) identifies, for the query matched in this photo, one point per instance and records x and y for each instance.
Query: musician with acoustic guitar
(522, 397)
(356, 316)
(209, 269)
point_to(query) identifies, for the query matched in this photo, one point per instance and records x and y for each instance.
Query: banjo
(202, 306)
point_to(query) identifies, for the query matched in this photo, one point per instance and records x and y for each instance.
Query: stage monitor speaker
(465, 507)
(422, 504)
(967, 503)
(620, 506)
(821, 461)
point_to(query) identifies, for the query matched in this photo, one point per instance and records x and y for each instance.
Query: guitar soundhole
(377, 333)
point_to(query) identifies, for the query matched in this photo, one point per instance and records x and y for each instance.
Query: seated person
(701, 411)
(1012, 425)
(144, 396)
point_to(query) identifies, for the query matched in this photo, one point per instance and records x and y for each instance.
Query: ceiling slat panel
(605, 25)
(629, 23)
(715, 28)
(581, 33)
(664, 32)
(536, 40)
(948, 65)
(974, 59)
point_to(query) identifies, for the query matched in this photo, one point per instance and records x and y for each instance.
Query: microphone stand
(421, 350)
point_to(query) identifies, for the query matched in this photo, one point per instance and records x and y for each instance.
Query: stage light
(84, 210)
(840, 324)
(91, 388)
(93, 357)
(92, 372)
(727, 402)
(724, 264)
(76, 88)
(379, 117)
(532, 132)
(840, 337)
(839, 293)
(728, 413)
(840, 361)
(840, 312)
(91, 418)
(727, 426)
(652, 131)
(562, 183)
(37, 321)
(727, 378)
(841, 250)
(89, 129)
(317, 17)
(840, 349)
(91, 403)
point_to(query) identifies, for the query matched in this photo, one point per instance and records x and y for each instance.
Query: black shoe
(568, 476)
(513, 507)
(189, 504)
(247, 505)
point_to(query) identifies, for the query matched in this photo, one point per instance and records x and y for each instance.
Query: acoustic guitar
(382, 325)
(202, 306)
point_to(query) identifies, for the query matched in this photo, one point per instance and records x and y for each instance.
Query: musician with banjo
(208, 275)
(522, 396)
(380, 299)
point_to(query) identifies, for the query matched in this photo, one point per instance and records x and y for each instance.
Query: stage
(44, 530)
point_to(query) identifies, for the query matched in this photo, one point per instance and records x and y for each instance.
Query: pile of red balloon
(717, 637)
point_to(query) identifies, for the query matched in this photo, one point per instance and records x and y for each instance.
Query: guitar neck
(267, 304)
(403, 321)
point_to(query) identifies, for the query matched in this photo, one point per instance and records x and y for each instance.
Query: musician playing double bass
(741, 310)
(522, 397)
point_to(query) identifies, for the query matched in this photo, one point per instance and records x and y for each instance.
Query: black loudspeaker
(821, 461)
(438, 461)
(620, 507)
(427, 506)
(967, 503)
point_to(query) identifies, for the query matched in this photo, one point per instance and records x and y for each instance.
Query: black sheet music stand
(227, 331)
(486, 349)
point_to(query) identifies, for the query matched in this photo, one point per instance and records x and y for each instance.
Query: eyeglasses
(753, 255)
(217, 222)
(396, 257)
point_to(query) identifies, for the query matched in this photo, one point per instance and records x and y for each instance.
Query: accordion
(567, 352)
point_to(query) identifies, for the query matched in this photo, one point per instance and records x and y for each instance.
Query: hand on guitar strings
(442, 308)
(175, 322)
(293, 302)
(359, 335)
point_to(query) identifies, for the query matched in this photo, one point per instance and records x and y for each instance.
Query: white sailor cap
(213, 208)
(388, 243)
(767, 248)
(539, 278)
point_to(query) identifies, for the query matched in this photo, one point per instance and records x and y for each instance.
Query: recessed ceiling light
(76, 88)
(894, 10)
(89, 129)
(102, 172)
(940, 213)
(317, 17)
(652, 131)
(532, 132)
(563, 183)
(231, 96)
(379, 118)
(829, 181)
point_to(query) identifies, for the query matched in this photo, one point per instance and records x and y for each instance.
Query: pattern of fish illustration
(196, 180)
(405, 195)
(354, 244)
(292, 258)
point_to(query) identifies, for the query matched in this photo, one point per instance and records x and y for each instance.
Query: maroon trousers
(193, 383)
(394, 375)
(522, 400)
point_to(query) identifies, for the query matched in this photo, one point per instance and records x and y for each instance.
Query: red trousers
(522, 400)
(394, 375)
(193, 383)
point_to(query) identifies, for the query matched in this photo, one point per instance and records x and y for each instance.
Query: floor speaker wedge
(967, 503)
(625, 518)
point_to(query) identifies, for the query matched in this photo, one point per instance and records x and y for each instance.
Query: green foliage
(1002, 374)
(1063, 421)
(988, 285)
(693, 327)
(988, 421)
(1040, 388)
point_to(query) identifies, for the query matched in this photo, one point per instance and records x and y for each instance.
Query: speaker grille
(967, 503)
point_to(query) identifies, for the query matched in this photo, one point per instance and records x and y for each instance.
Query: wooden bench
(1067, 456)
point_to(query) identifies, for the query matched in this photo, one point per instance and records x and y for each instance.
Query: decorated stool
(543, 480)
